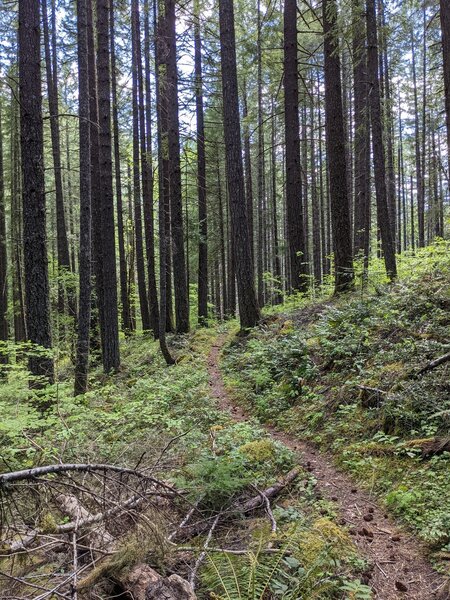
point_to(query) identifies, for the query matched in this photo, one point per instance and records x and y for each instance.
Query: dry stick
(201, 558)
(75, 565)
(169, 444)
(185, 520)
(273, 523)
(29, 584)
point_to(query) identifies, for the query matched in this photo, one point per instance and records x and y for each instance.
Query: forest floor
(400, 568)
(345, 392)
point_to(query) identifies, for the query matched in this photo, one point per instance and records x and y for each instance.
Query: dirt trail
(400, 570)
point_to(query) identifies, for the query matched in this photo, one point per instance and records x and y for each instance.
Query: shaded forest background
(163, 165)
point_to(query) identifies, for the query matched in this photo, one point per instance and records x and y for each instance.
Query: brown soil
(399, 569)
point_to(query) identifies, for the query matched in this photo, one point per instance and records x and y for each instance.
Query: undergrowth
(344, 374)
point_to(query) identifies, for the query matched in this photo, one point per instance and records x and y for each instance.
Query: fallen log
(430, 446)
(433, 364)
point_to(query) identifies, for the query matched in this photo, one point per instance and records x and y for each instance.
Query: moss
(325, 537)
(48, 523)
(259, 451)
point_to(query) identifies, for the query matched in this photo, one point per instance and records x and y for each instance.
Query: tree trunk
(164, 205)
(334, 125)
(84, 315)
(149, 225)
(248, 172)
(176, 208)
(362, 135)
(140, 263)
(97, 319)
(3, 258)
(16, 228)
(377, 142)
(445, 29)
(278, 295)
(388, 122)
(201, 178)
(317, 259)
(61, 228)
(111, 355)
(124, 296)
(37, 298)
(294, 201)
(248, 305)
(223, 262)
(261, 199)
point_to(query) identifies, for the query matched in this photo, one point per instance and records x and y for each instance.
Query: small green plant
(257, 573)
(355, 590)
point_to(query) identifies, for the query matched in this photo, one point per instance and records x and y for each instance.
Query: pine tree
(37, 299)
(445, 28)
(3, 257)
(334, 125)
(294, 198)
(201, 177)
(111, 354)
(176, 210)
(248, 305)
(378, 143)
(84, 313)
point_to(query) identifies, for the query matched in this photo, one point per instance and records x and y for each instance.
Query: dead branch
(371, 397)
(433, 364)
(241, 507)
(85, 519)
(274, 490)
(202, 555)
(64, 468)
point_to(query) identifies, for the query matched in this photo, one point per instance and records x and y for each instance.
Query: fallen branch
(274, 490)
(433, 364)
(202, 555)
(86, 468)
(242, 507)
(77, 524)
(371, 397)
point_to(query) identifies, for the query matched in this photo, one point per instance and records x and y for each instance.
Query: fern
(257, 575)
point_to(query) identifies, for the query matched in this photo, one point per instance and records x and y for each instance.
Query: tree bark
(3, 258)
(334, 125)
(84, 315)
(248, 171)
(164, 204)
(362, 134)
(97, 316)
(140, 263)
(278, 295)
(445, 29)
(62, 243)
(201, 177)
(149, 225)
(248, 304)
(111, 354)
(37, 298)
(294, 201)
(377, 142)
(124, 296)
(176, 209)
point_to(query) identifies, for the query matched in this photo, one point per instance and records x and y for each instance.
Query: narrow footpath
(399, 567)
